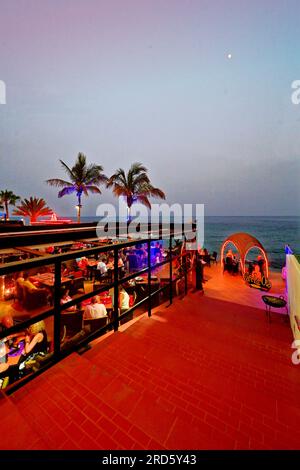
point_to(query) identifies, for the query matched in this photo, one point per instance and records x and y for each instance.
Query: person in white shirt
(101, 266)
(94, 310)
(123, 299)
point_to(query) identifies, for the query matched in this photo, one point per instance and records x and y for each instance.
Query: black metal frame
(56, 310)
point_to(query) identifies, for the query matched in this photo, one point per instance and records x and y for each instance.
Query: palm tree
(135, 186)
(8, 198)
(83, 179)
(33, 208)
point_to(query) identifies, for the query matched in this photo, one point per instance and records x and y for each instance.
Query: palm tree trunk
(79, 209)
(6, 210)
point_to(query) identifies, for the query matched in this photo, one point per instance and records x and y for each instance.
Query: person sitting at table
(124, 299)
(82, 264)
(67, 298)
(110, 262)
(28, 284)
(94, 310)
(36, 339)
(101, 266)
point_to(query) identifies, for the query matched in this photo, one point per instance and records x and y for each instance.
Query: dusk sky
(151, 81)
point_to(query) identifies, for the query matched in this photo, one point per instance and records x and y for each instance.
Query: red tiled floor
(203, 374)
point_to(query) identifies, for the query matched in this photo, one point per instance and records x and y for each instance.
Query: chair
(72, 321)
(91, 270)
(34, 298)
(76, 285)
(95, 323)
(100, 278)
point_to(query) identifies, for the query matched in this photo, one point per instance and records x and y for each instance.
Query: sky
(151, 81)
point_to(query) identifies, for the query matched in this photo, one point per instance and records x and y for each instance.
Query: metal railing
(57, 308)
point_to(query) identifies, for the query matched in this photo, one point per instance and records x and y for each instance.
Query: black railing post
(57, 307)
(171, 272)
(149, 277)
(116, 289)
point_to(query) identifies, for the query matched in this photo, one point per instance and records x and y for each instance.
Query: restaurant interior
(86, 296)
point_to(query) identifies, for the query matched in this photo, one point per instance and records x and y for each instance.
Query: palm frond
(58, 183)
(68, 170)
(66, 190)
(93, 189)
(144, 200)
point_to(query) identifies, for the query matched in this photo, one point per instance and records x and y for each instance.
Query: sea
(273, 232)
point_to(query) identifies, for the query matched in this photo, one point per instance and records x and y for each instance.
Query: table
(47, 279)
(275, 302)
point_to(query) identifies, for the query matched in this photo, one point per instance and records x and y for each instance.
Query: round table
(275, 302)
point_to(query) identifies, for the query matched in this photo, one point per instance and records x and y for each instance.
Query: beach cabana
(244, 242)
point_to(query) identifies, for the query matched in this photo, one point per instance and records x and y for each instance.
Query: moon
(229, 56)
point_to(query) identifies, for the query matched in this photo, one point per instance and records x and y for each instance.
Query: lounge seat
(34, 298)
(95, 324)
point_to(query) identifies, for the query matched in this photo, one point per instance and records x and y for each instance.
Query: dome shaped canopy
(243, 243)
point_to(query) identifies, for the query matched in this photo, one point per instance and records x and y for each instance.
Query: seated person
(94, 310)
(67, 298)
(110, 263)
(36, 339)
(27, 283)
(261, 264)
(256, 274)
(83, 263)
(101, 266)
(124, 299)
